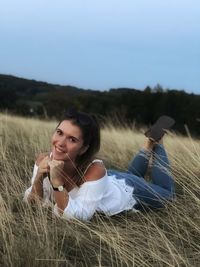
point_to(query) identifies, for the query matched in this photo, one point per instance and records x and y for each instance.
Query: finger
(56, 163)
(46, 170)
(47, 159)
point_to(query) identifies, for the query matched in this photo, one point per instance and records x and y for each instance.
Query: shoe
(156, 131)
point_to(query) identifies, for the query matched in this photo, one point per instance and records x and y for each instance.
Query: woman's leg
(161, 189)
(139, 164)
(147, 194)
(160, 171)
(152, 194)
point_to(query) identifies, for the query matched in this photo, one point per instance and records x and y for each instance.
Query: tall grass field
(33, 236)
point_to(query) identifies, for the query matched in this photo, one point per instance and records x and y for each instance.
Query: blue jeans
(152, 194)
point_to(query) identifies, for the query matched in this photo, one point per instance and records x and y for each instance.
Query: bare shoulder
(40, 157)
(95, 172)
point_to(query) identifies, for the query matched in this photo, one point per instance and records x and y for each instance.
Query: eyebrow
(71, 136)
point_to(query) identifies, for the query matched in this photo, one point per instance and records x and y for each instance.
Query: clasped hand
(56, 172)
(55, 168)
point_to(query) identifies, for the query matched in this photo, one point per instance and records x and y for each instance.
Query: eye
(58, 131)
(72, 139)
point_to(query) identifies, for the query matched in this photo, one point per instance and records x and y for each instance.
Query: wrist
(59, 188)
(55, 182)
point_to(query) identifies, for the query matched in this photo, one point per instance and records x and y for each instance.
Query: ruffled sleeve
(47, 190)
(27, 192)
(86, 201)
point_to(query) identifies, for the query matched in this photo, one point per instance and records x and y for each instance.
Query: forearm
(61, 199)
(37, 188)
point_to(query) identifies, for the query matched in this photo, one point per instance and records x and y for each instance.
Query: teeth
(58, 150)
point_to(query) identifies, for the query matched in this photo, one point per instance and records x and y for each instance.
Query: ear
(83, 150)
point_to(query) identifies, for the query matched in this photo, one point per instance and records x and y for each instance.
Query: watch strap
(60, 188)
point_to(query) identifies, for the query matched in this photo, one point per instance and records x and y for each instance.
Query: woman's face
(67, 142)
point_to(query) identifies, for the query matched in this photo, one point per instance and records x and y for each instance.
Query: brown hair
(91, 138)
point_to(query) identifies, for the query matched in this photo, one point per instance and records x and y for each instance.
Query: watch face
(60, 188)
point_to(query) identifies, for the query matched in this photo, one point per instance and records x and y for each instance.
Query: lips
(59, 150)
(58, 153)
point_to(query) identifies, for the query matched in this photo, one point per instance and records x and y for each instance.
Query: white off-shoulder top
(107, 195)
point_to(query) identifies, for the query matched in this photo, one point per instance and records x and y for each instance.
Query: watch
(60, 188)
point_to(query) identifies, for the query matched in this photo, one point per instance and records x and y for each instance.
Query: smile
(59, 150)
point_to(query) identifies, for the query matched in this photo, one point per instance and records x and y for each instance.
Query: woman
(80, 185)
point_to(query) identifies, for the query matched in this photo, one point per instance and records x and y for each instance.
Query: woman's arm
(37, 186)
(61, 199)
(57, 179)
(88, 196)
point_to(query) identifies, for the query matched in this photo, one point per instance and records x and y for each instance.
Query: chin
(58, 156)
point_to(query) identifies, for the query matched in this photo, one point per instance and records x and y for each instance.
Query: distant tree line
(33, 98)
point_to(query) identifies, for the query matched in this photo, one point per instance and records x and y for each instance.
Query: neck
(70, 176)
(70, 168)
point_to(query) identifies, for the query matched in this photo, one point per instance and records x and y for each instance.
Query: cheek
(53, 140)
(75, 149)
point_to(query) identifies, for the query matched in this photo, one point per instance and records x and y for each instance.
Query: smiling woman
(78, 183)
(70, 163)
(67, 142)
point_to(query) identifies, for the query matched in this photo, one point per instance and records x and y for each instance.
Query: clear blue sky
(102, 44)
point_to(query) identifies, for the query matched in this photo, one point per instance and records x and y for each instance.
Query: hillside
(34, 98)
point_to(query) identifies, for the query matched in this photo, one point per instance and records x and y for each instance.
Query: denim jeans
(152, 194)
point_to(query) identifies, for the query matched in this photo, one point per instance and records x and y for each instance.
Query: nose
(61, 141)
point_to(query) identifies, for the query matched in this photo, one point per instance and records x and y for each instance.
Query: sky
(102, 44)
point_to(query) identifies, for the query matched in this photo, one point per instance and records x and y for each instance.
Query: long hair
(91, 138)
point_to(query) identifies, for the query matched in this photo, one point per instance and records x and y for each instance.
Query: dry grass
(31, 236)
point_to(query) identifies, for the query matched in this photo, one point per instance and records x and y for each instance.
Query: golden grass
(32, 236)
